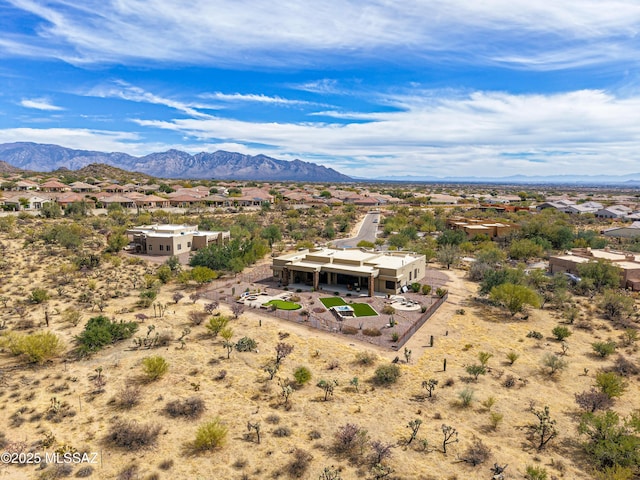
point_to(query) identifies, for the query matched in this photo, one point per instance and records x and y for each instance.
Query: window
(188, 244)
(410, 275)
(161, 247)
(415, 273)
(168, 248)
(179, 246)
(390, 285)
(150, 247)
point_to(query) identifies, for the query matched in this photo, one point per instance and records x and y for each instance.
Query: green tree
(448, 255)
(514, 297)
(602, 273)
(51, 210)
(615, 305)
(610, 441)
(611, 384)
(272, 234)
(203, 275)
(525, 249)
(116, 242)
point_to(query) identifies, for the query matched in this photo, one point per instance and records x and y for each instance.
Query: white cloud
(252, 98)
(482, 133)
(40, 104)
(126, 91)
(544, 34)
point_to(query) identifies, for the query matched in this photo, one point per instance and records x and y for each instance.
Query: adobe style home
(628, 263)
(172, 239)
(473, 227)
(357, 269)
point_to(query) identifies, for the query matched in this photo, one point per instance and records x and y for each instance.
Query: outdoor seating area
(368, 323)
(398, 302)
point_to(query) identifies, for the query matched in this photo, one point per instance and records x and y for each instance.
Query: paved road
(368, 231)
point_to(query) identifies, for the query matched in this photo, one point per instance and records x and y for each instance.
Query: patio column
(285, 276)
(316, 280)
(371, 280)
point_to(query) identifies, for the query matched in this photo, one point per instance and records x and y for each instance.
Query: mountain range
(170, 164)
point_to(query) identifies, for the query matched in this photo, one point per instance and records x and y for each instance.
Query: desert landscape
(298, 402)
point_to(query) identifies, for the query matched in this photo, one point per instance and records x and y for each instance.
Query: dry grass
(244, 392)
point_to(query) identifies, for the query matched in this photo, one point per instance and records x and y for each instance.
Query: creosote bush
(191, 407)
(154, 367)
(131, 435)
(210, 435)
(387, 374)
(302, 375)
(366, 358)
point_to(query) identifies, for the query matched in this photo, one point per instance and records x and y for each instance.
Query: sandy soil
(462, 328)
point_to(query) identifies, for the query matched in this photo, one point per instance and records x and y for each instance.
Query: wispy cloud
(132, 93)
(41, 103)
(545, 34)
(470, 132)
(252, 98)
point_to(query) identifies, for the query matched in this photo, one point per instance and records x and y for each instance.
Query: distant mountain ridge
(630, 179)
(170, 164)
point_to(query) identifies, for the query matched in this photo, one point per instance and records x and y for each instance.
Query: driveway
(368, 231)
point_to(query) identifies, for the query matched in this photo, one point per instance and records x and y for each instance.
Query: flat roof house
(628, 263)
(171, 239)
(360, 269)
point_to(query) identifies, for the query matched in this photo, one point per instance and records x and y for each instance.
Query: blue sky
(373, 89)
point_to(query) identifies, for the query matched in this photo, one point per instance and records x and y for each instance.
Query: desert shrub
(535, 473)
(39, 295)
(593, 400)
(346, 438)
(509, 382)
(604, 349)
(196, 317)
(36, 347)
(216, 324)
(302, 375)
(476, 453)
(366, 358)
(388, 310)
(131, 435)
(128, 397)
(371, 332)
(131, 472)
(625, 367)
(387, 374)
(534, 334)
(553, 363)
(426, 289)
(611, 384)
(101, 331)
(273, 419)
(466, 397)
(561, 332)
(282, 432)
(299, 464)
(441, 292)
(348, 330)
(154, 367)
(246, 344)
(191, 407)
(210, 435)
(84, 472)
(475, 370)
(512, 357)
